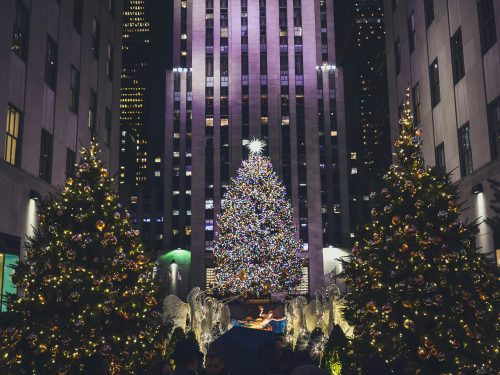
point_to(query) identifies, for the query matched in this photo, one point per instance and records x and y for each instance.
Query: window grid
(457, 56)
(13, 136)
(465, 150)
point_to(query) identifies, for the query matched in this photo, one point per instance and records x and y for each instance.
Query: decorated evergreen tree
(418, 287)
(333, 357)
(255, 249)
(87, 286)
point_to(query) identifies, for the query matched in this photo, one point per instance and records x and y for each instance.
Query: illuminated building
(141, 117)
(448, 53)
(361, 46)
(254, 68)
(60, 80)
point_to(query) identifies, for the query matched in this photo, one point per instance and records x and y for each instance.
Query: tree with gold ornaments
(256, 249)
(418, 288)
(87, 285)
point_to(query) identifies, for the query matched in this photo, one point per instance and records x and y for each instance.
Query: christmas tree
(256, 250)
(87, 286)
(418, 287)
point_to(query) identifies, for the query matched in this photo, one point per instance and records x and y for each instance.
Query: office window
(70, 162)
(107, 126)
(20, 32)
(429, 12)
(92, 110)
(46, 156)
(494, 127)
(95, 38)
(465, 150)
(51, 63)
(457, 56)
(416, 104)
(434, 83)
(440, 159)
(74, 91)
(13, 136)
(78, 15)
(411, 32)
(397, 55)
(109, 62)
(487, 26)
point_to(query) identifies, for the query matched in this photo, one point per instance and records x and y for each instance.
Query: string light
(419, 289)
(255, 249)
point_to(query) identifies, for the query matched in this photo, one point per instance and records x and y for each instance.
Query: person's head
(214, 363)
(186, 354)
(96, 364)
(278, 343)
(161, 367)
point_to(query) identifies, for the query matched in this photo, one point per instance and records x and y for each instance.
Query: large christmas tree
(418, 287)
(87, 286)
(255, 249)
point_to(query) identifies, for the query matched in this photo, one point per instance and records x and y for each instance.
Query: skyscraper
(245, 69)
(448, 53)
(60, 81)
(361, 46)
(142, 102)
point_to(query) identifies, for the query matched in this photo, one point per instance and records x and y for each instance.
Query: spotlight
(35, 195)
(476, 189)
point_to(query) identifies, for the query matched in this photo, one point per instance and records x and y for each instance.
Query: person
(162, 367)
(214, 363)
(185, 357)
(285, 355)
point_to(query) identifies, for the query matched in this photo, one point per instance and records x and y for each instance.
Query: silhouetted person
(185, 357)
(162, 367)
(214, 363)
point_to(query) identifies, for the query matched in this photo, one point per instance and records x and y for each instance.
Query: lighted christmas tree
(87, 285)
(256, 250)
(418, 287)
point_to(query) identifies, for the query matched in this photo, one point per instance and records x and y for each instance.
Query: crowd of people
(273, 358)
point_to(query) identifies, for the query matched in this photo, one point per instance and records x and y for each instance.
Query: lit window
(354, 156)
(354, 170)
(12, 139)
(157, 159)
(157, 174)
(333, 133)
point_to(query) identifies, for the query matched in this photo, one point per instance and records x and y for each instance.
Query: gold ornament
(404, 247)
(422, 353)
(69, 181)
(42, 348)
(150, 301)
(141, 259)
(409, 324)
(242, 275)
(372, 307)
(396, 220)
(100, 225)
(428, 343)
(407, 303)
